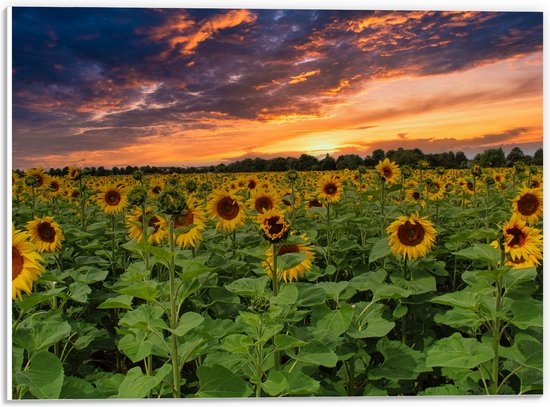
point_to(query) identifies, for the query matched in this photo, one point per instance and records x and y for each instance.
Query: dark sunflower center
(263, 203)
(287, 203)
(251, 184)
(75, 194)
(416, 195)
(330, 189)
(528, 204)
(288, 248)
(387, 172)
(535, 184)
(227, 208)
(411, 235)
(470, 185)
(315, 203)
(518, 239)
(46, 232)
(112, 198)
(434, 188)
(184, 219)
(274, 227)
(54, 185)
(17, 263)
(154, 223)
(40, 180)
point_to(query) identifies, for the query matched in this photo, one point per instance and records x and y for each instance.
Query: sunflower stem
(329, 235)
(145, 237)
(496, 336)
(275, 281)
(33, 208)
(113, 243)
(82, 202)
(404, 319)
(173, 312)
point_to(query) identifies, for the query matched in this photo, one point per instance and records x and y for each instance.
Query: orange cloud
(303, 76)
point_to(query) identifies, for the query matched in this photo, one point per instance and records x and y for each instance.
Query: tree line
(493, 157)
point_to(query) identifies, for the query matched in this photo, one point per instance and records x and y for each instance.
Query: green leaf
(283, 342)
(315, 354)
(333, 290)
(248, 287)
(334, 323)
(480, 252)
(290, 260)
(373, 325)
(30, 301)
(146, 290)
(527, 313)
(120, 301)
(138, 385)
(216, 381)
(461, 299)
(526, 351)
(76, 388)
(40, 331)
(301, 384)
(275, 384)
(460, 318)
(146, 316)
(444, 390)
(135, 345)
(135, 272)
(188, 321)
(287, 295)
(309, 295)
(379, 250)
(456, 351)
(368, 281)
(400, 362)
(372, 390)
(421, 282)
(237, 343)
(386, 291)
(79, 292)
(89, 275)
(159, 253)
(191, 270)
(515, 277)
(43, 376)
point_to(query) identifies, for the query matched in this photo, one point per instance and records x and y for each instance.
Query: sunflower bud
(406, 171)
(428, 181)
(172, 201)
(519, 166)
(362, 169)
(476, 171)
(205, 188)
(424, 164)
(138, 175)
(440, 170)
(534, 170)
(489, 180)
(137, 196)
(172, 181)
(31, 181)
(259, 304)
(292, 175)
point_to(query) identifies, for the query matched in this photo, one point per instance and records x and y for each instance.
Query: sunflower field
(380, 281)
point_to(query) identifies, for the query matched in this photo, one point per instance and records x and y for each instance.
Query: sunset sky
(117, 87)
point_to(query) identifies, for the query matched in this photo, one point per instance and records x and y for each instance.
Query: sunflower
(251, 183)
(522, 244)
(193, 215)
(45, 234)
(135, 221)
(25, 263)
(292, 273)
(528, 205)
(329, 189)
(287, 200)
(435, 190)
(111, 199)
(54, 187)
(40, 176)
(536, 181)
(413, 194)
(273, 225)
(264, 199)
(156, 188)
(411, 236)
(389, 171)
(228, 208)
(73, 173)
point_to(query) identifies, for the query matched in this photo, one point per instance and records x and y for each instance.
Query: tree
(537, 157)
(327, 163)
(307, 162)
(350, 161)
(515, 155)
(493, 157)
(378, 155)
(461, 161)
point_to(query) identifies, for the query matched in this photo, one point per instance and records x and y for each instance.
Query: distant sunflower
(411, 236)
(521, 242)
(111, 199)
(25, 263)
(295, 272)
(528, 205)
(413, 194)
(54, 187)
(45, 234)
(192, 216)
(536, 181)
(329, 189)
(156, 188)
(273, 225)
(389, 171)
(40, 176)
(498, 177)
(73, 173)
(228, 209)
(468, 186)
(435, 189)
(251, 183)
(263, 199)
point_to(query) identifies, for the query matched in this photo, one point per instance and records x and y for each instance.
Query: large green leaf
(379, 250)
(480, 252)
(372, 324)
(400, 362)
(287, 295)
(456, 351)
(462, 299)
(135, 345)
(248, 287)
(138, 385)
(310, 295)
(120, 301)
(43, 376)
(76, 388)
(40, 331)
(146, 290)
(217, 381)
(275, 384)
(315, 354)
(187, 322)
(146, 316)
(527, 313)
(334, 323)
(283, 342)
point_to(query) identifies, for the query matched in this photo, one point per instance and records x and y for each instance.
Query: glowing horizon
(204, 87)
